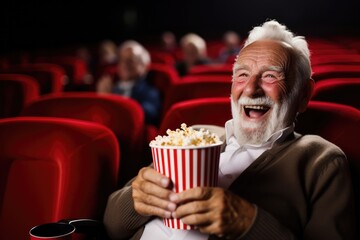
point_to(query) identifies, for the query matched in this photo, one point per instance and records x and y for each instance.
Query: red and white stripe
(187, 168)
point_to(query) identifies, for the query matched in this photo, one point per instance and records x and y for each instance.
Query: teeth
(258, 107)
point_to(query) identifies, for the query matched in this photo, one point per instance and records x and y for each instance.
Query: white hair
(138, 49)
(195, 40)
(273, 30)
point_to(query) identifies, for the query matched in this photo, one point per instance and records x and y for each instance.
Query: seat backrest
(124, 116)
(215, 69)
(343, 59)
(49, 76)
(162, 57)
(340, 90)
(51, 169)
(187, 90)
(322, 72)
(16, 91)
(332, 51)
(210, 111)
(206, 78)
(339, 124)
(162, 77)
(74, 67)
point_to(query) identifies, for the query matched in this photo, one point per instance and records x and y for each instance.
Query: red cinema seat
(52, 169)
(215, 69)
(206, 78)
(339, 124)
(74, 67)
(338, 59)
(210, 111)
(332, 51)
(162, 58)
(187, 90)
(49, 76)
(162, 77)
(322, 72)
(340, 90)
(124, 116)
(15, 92)
(335, 122)
(214, 47)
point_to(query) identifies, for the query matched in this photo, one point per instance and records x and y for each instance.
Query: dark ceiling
(34, 24)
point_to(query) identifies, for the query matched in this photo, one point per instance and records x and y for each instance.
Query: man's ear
(305, 97)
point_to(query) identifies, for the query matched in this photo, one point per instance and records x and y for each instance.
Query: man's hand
(151, 194)
(214, 211)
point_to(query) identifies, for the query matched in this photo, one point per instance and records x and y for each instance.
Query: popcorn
(186, 136)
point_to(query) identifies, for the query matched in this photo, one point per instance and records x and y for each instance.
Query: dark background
(37, 24)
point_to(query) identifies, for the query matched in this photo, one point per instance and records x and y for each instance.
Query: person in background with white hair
(133, 64)
(273, 183)
(194, 53)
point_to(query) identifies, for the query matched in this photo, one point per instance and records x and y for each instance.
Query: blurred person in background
(194, 53)
(168, 42)
(107, 53)
(231, 47)
(133, 64)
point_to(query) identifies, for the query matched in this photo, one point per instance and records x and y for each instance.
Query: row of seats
(56, 168)
(124, 116)
(19, 90)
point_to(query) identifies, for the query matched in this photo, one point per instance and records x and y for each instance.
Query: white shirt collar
(275, 137)
(235, 159)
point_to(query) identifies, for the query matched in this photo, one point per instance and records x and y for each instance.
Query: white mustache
(256, 101)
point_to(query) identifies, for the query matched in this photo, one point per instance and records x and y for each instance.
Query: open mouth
(255, 111)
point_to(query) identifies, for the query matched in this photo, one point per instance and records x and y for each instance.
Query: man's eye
(242, 77)
(270, 78)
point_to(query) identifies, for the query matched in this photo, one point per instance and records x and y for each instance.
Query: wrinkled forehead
(263, 50)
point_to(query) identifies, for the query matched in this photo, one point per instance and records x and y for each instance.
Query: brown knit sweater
(301, 187)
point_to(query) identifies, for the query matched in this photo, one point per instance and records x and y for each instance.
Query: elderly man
(273, 182)
(194, 50)
(134, 61)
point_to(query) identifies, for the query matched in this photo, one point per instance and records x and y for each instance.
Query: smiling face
(261, 82)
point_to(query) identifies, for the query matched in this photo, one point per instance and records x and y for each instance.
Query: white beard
(258, 132)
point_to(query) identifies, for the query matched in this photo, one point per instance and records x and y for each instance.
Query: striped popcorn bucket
(187, 167)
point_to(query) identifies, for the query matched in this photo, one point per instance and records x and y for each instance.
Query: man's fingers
(151, 194)
(198, 193)
(153, 200)
(198, 219)
(191, 208)
(150, 210)
(155, 190)
(150, 174)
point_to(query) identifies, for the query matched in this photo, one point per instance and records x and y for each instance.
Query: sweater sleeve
(266, 226)
(332, 213)
(331, 209)
(120, 219)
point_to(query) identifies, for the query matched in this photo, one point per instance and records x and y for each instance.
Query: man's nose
(253, 87)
